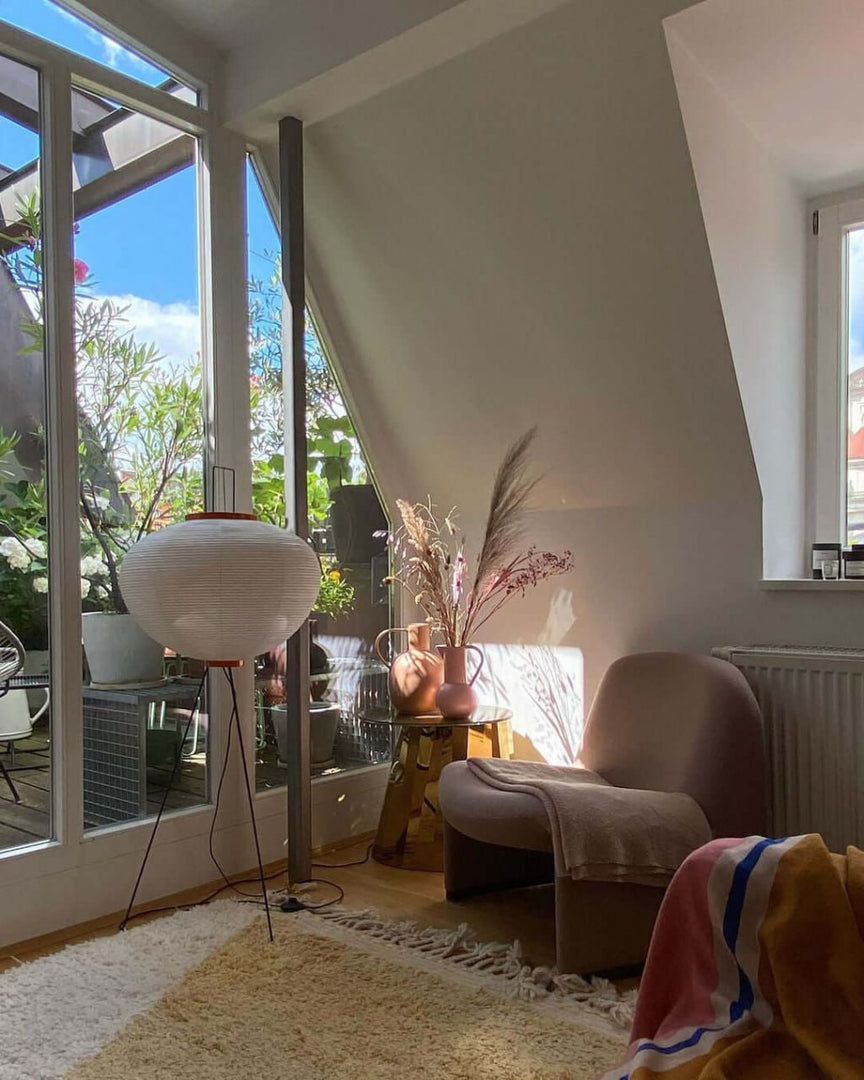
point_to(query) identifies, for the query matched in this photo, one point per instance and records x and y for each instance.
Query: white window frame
(98, 869)
(833, 217)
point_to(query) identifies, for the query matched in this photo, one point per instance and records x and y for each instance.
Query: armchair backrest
(682, 722)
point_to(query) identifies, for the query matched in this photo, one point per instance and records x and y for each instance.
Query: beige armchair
(666, 722)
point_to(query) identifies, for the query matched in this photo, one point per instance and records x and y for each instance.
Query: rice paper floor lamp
(218, 587)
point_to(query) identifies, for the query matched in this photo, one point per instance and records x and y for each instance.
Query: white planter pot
(118, 651)
(36, 662)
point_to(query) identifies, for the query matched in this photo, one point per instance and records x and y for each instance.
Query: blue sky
(53, 23)
(856, 299)
(143, 248)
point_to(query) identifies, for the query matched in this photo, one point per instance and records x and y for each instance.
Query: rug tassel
(519, 980)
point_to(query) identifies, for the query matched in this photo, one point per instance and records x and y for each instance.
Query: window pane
(25, 790)
(347, 525)
(54, 23)
(343, 513)
(268, 453)
(139, 386)
(855, 388)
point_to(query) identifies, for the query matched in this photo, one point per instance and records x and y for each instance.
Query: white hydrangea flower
(36, 548)
(92, 565)
(85, 587)
(15, 553)
(40, 584)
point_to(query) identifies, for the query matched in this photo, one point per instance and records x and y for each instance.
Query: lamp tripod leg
(235, 715)
(178, 757)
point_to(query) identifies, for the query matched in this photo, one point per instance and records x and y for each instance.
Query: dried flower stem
(434, 566)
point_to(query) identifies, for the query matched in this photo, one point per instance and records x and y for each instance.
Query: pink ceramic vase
(456, 697)
(415, 674)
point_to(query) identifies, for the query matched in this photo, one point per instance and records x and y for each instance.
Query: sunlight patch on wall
(543, 685)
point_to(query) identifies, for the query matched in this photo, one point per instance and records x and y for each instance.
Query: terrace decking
(29, 821)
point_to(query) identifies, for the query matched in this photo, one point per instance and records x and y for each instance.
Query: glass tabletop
(483, 714)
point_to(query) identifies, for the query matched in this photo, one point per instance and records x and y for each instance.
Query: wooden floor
(526, 915)
(405, 894)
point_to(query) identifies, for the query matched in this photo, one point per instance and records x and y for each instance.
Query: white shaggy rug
(62, 1009)
(202, 995)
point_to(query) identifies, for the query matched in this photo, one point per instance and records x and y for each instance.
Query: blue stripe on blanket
(732, 923)
(731, 927)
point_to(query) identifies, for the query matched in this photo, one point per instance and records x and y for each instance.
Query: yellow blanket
(756, 967)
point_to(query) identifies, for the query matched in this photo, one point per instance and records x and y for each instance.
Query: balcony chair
(664, 722)
(16, 723)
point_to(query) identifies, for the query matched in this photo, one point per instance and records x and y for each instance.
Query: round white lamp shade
(220, 587)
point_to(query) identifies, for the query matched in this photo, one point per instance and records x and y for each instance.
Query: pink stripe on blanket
(677, 984)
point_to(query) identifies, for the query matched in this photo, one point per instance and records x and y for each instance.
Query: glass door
(26, 782)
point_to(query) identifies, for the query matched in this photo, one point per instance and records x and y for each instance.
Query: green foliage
(140, 423)
(336, 595)
(141, 431)
(23, 550)
(334, 454)
(141, 438)
(332, 445)
(268, 489)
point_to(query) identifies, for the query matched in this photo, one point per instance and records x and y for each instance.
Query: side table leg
(392, 832)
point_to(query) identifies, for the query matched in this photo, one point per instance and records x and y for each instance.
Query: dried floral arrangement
(433, 567)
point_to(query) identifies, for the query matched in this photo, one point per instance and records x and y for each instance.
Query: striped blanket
(756, 967)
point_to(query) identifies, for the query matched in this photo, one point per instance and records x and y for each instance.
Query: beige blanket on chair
(603, 832)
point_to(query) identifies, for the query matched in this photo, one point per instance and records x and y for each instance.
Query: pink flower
(80, 270)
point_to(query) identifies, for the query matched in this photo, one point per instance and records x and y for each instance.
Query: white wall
(756, 221)
(516, 237)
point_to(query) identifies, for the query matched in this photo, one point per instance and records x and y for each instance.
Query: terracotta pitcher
(415, 674)
(456, 697)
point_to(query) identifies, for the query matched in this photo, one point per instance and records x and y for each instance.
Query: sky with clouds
(142, 252)
(59, 26)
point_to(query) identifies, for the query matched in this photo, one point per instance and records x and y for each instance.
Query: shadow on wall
(543, 685)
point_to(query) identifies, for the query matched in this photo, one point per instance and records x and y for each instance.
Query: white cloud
(111, 50)
(175, 329)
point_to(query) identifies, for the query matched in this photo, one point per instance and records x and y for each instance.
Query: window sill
(809, 585)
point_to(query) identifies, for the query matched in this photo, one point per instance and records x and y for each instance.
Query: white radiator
(812, 701)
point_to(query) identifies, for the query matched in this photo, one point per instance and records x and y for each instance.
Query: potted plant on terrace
(141, 436)
(355, 512)
(335, 598)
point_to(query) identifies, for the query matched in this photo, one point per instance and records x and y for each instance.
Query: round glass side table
(411, 830)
